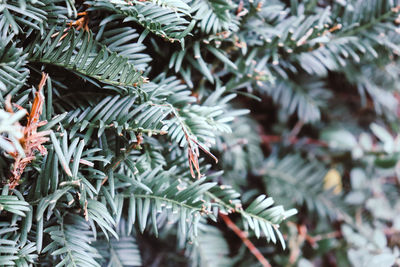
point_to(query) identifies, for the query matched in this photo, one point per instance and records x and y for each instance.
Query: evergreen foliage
(131, 130)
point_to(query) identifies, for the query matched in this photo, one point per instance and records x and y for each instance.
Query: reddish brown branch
(245, 240)
(267, 139)
(314, 239)
(296, 242)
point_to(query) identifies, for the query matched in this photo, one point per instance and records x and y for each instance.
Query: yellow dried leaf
(333, 179)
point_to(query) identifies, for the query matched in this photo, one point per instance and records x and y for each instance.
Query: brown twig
(296, 241)
(314, 239)
(245, 240)
(267, 139)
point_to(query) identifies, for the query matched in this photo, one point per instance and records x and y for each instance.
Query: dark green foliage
(90, 59)
(159, 116)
